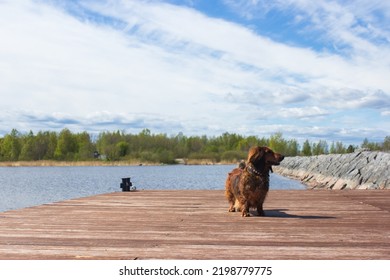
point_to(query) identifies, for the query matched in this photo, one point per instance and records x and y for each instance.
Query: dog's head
(263, 157)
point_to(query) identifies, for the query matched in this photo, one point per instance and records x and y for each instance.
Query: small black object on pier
(126, 185)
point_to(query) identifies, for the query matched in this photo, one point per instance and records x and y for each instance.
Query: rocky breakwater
(359, 170)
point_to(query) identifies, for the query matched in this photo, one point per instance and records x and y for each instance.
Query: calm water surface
(28, 186)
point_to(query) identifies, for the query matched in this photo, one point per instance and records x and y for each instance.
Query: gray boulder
(359, 170)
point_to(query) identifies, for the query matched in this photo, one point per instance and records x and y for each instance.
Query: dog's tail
(232, 182)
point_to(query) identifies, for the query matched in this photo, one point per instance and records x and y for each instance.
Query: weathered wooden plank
(196, 225)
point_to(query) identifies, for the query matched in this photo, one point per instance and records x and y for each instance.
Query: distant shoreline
(48, 163)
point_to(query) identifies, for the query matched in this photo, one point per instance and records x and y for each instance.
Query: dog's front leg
(260, 203)
(245, 209)
(260, 210)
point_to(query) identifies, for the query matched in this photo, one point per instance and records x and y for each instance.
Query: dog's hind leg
(232, 208)
(231, 199)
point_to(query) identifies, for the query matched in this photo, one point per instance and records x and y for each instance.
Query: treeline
(157, 148)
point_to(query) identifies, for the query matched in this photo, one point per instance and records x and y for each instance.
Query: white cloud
(238, 45)
(303, 112)
(126, 64)
(385, 113)
(358, 31)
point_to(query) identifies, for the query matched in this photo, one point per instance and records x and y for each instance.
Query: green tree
(386, 144)
(46, 144)
(247, 142)
(292, 148)
(277, 143)
(180, 147)
(306, 149)
(320, 148)
(350, 149)
(51, 139)
(28, 151)
(85, 147)
(158, 147)
(107, 144)
(122, 148)
(11, 146)
(337, 148)
(165, 156)
(66, 146)
(195, 144)
(372, 146)
(228, 141)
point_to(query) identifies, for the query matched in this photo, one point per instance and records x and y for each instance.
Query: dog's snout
(278, 157)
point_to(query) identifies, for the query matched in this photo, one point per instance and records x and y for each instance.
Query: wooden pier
(307, 224)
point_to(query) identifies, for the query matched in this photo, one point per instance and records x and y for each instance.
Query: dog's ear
(255, 154)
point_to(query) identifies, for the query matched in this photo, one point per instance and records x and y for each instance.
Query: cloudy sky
(309, 69)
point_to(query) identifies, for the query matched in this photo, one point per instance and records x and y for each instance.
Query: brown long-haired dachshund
(247, 186)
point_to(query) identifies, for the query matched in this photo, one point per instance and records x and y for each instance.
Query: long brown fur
(247, 186)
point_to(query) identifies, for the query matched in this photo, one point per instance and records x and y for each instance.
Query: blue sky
(317, 70)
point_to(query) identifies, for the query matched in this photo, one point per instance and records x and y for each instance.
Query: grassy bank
(102, 163)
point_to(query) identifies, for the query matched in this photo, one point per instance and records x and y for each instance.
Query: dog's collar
(253, 170)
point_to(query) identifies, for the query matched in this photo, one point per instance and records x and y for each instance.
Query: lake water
(28, 186)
